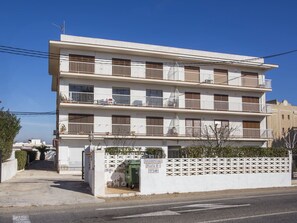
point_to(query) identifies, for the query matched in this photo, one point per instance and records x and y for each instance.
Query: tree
(288, 140)
(218, 136)
(42, 149)
(9, 128)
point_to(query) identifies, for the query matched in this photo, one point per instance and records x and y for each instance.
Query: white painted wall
(9, 169)
(159, 183)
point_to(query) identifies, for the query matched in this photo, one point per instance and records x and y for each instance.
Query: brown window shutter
(116, 119)
(154, 120)
(121, 67)
(249, 79)
(154, 70)
(192, 74)
(220, 76)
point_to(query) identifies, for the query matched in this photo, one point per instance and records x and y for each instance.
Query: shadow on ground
(41, 165)
(77, 186)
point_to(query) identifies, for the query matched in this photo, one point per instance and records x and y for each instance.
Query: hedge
(21, 156)
(201, 152)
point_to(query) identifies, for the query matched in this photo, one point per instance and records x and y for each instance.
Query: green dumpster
(132, 173)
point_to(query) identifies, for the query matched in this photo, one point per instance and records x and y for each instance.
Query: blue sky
(248, 27)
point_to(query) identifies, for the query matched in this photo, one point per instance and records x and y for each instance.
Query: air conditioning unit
(208, 81)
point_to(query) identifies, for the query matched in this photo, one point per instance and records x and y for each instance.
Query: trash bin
(132, 173)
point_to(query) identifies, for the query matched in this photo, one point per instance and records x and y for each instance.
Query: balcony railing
(121, 129)
(128, 130)
(161, 74)
(80, 128)
(80, 97)
(81, 67)
(161, 102)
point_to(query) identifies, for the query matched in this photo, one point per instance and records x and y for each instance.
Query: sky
(246, 27)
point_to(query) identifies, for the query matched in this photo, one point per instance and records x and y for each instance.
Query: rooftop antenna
(62, 27)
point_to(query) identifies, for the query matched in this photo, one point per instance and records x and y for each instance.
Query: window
(120, 125)
(192, 74)
(221, 123)
(154, 98)
(283, 116)
(80, 123)
(283, 130)
(121, 67)
(81, 93)
(154, 126)
(251, 129)
(249, 79)
(121, 96)
(220, 76)
(81, 64)
(154, 70)
(221, 102)
(193, 127)
(288, 117)
(250, 104)
(192, 100)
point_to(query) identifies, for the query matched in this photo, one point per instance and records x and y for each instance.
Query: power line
(47, 55)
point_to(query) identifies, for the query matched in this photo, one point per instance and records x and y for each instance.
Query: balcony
(81, 67)
(146, 73)
(190, 132)
(78, 97)
(162, 102)
(80, 128)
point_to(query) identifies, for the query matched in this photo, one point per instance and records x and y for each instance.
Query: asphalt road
(273, 206)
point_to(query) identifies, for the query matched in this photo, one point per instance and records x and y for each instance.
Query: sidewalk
(40, 185)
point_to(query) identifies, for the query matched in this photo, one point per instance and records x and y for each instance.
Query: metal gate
(83, 165)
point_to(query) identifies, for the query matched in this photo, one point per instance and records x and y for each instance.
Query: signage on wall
(153, 165)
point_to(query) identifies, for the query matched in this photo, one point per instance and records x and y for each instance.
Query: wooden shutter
(154, 126)
(121, 67)
(251, 129)
(220, 76)
(249, 79)
(80, 123)
(154, 70)
(250, 104)
(81, 118)
(192, 74)
(81, 63)
(221, 102)
(116, 119)
(192, 100)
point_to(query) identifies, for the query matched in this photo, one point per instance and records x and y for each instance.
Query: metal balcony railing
(161, 102)
(81, 67)
(128, 130)
(161, 74)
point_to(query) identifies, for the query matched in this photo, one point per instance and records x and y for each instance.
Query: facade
(283, 118)
(114, 93)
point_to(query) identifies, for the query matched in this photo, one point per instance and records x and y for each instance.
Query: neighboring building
(131, 94)
(283, 118)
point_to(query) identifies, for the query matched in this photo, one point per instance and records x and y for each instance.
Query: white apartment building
(114, 93)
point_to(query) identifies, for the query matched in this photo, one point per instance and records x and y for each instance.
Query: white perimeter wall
(9, 169)
(160, 182)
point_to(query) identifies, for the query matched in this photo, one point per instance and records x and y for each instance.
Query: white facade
(83, 71)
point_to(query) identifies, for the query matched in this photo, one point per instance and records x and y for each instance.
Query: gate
(83, 165)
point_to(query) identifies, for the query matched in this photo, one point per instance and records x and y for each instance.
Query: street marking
(21, 219)
(210, 207)
(191, 202)
(151, 214)
(247, 217)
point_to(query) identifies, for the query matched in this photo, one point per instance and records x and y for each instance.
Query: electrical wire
(47, 55)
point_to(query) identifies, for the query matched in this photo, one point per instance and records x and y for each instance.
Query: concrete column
(99, 177)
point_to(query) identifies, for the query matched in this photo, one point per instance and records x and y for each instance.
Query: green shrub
(21, 156)
(154, 152)
(200, 152)
(123, 151)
